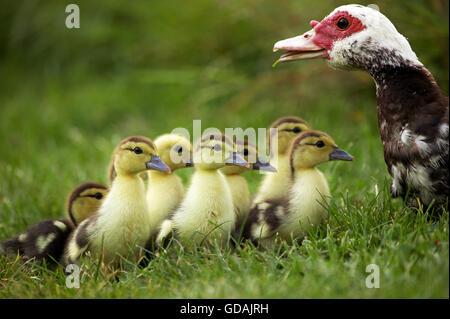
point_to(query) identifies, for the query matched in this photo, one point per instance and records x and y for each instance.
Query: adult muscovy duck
(413, 114)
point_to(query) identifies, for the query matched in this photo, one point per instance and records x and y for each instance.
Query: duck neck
(128, 186)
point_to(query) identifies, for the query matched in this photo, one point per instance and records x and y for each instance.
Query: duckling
(303, 207)
(165, 191)
(46, 239)
(122, 223)
(238, 184)
(275, 184)
(84, 201)
(207, 210)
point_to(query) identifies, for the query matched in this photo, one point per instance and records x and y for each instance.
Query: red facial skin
(327, 31)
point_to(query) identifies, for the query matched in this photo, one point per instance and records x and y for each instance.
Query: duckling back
(44, 240)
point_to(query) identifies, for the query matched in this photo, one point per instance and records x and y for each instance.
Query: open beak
(237, 160)
(299, 48)
(156, 163)
(263, 166)
(340, 155)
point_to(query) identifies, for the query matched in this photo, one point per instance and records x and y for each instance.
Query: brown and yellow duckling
(122, 224)
(303, 204)
(46, 239)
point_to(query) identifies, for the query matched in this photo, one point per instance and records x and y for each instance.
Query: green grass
(68, 97)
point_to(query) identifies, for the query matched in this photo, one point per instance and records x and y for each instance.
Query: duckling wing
(44, 240)
(264, 219)
(79, 240)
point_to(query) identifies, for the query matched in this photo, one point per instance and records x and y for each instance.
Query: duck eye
(138, 150)
(98, 196)
(296, 129)
(342, 23)
(320, 144)
(179, 149)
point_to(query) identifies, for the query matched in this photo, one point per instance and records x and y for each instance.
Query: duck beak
(299, 48)
(340, 155)
(157, 163)
(237, 160)
(190, 162)
(263, 166)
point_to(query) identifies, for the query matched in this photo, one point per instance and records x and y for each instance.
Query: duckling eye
(320, 144)
(245, 152)
(179, 149)
(98, 196)
(342, 23)
(217, 147)
(296, 129)
(138, 150)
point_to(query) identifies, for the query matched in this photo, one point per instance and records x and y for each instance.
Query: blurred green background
(68, 96)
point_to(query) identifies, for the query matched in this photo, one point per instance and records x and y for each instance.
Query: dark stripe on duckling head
(296, 143)
(74, 194)
(289, 119)
(139, 139)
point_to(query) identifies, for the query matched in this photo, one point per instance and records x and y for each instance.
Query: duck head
(84, 201)
(288, 129)
(215, 151)
(351, 37)
(175, 150)
(134, 155)
(250, 154)
(313, 148)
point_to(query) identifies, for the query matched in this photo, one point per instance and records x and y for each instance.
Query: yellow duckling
(46, 239)
(165, 191)
(303, 204)
(122, 223)
(207, 210)
(275, 184)
(238, 184)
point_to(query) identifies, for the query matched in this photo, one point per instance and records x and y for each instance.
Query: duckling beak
(157, 163)
(237, 160)
(190, 162)
(340, 155)
(263, 166)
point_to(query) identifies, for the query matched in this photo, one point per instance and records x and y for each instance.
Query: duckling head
(84, 201)
(134, 155)
(215, 151)
(313, 148)
(250, 154)
(288, 128)
(175, 150)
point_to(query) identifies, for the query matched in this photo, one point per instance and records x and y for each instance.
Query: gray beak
(340, 155)
(237, 160)
(156, 163)
(263, 166)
